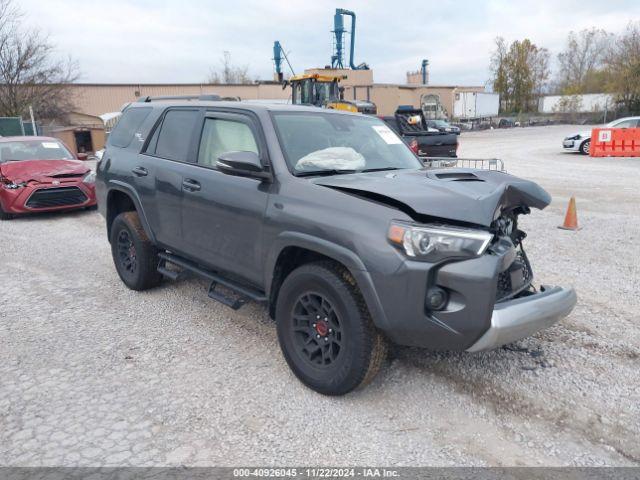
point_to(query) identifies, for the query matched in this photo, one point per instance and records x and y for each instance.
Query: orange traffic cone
(571, 218)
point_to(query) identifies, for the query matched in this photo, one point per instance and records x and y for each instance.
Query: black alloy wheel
(127, 252)
(318, 332)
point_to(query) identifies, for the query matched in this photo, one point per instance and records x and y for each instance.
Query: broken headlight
(433, 243)
(10, 185)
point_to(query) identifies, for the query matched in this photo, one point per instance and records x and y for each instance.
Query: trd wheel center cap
(322, 328)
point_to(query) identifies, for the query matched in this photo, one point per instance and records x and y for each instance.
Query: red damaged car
(40, 174)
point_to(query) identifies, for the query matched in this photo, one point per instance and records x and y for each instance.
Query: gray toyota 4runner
(330, 220)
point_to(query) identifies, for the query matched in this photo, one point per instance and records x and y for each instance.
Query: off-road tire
(585, 147)
(146, 274)
(364, 348)
(4, 215)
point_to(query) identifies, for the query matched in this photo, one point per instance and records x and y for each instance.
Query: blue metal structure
(278, 55)
(423, 70)
(339, 31)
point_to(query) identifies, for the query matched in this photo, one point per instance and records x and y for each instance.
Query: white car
(581, 142)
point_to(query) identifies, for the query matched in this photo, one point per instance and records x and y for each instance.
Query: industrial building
(96, 99)
(84, 132)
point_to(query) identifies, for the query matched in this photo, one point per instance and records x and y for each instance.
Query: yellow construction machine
(324, 91)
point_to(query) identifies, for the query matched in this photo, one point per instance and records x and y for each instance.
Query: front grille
(516, 278)
(56, 197)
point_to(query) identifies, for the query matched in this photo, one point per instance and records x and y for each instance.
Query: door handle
(190, 185)
(140, 172)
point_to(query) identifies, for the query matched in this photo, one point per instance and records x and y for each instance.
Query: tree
(499, 69)
(30, 72)
(582, 61)
(520, 73)
(229, 73)
(623, 66)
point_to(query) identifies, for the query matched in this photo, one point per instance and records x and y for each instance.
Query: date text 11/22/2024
(321, 472)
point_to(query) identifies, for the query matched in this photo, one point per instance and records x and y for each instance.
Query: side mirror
(82, 156)
(242, 164)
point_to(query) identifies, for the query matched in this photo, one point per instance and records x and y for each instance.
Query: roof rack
(204, 98)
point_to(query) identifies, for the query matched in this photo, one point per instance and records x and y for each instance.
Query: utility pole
(33, 122)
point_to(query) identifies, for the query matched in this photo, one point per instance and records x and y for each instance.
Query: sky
(180, 41)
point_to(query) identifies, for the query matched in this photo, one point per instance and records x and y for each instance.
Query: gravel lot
(94, 374)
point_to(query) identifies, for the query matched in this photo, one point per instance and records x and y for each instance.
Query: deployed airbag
(333, 158)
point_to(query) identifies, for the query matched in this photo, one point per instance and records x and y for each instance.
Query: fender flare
(343, 255)
(135, 198)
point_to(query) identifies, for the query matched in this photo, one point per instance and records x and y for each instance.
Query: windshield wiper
(332, 171)
(381, 169)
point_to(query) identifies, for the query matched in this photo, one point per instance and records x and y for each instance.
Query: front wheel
(325, 330)
(135, 257)
(585, 147)
(4, 215)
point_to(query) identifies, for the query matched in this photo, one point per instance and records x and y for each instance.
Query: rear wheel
(135, 257)
(325, 330)
(585, 147)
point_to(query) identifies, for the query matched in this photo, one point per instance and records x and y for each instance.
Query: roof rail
(210, 98)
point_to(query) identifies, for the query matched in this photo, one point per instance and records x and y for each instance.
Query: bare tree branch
(30, 73)
(582, 62)
(229, 73)
(623, 66)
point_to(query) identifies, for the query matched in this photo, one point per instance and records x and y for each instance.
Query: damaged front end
(465, 282)
(517, 277)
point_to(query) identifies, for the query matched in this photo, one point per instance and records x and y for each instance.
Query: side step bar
(243, 292)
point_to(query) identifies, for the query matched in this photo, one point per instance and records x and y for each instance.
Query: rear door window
(128, 126)
(222, 136)
(174, 138)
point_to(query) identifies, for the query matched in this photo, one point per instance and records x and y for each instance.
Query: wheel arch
(122, 198)
(293, 249)
(581, 149)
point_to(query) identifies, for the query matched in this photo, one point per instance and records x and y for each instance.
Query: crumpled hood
(41, 170)
(463, 195)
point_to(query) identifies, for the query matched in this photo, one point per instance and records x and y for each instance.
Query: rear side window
(222, 136)
(626, 124)
(128, 126)
(175, 134)
(391, 122)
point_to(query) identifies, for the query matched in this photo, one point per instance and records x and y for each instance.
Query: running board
(243, 292)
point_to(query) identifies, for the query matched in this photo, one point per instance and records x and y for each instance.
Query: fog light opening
(437, 298)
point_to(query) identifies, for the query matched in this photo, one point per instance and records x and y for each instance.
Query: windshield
(33, 150)
(328, 142)
(440, 123)
(324, 92)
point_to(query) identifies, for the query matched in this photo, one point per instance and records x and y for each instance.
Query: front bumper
(16, 201)
(519, 318)
(572, 145)
(478, 315)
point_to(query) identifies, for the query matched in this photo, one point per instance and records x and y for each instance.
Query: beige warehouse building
(94, 99)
